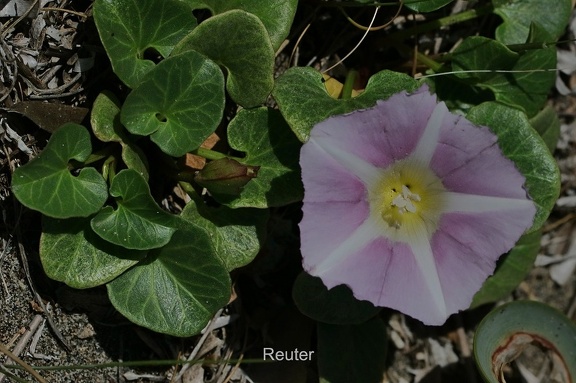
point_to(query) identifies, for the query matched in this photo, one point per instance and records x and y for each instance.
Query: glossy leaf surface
(137, 222)
(236, 234)
(179, 103)
(238, 41)
(129, 28)
(72, 253)
(276, 15)
(177, 289)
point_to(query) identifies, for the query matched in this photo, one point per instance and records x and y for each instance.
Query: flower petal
(366, 172)
(387, 274)
(434, 269)
(471, 203)
(382, 134)
(468, 160)
(425, 260)
(467, 246)
(325, 179)
(325, 227)
(426, 147)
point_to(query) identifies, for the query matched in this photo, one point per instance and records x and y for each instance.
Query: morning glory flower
(409, 205)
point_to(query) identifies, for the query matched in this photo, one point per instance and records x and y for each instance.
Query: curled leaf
(509, 329)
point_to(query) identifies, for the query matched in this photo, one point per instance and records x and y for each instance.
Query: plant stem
(349, 84)
(99, 155)
(140, 363)
(442, 22)
(107, 171)
(435, 66)
(189, 189)
(212, 154)
(24, 365)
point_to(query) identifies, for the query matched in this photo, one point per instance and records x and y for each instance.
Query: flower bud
(225, 176)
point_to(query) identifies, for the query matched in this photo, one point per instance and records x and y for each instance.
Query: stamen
(404, 201)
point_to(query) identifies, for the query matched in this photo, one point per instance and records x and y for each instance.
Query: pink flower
(409, 205)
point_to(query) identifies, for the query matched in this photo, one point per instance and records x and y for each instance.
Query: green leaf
(46, 184)
(511, 270)
(522, 144)
(507, 330)
(553, 16)
(527, 88)
(129, 28)
(352, 353)
(238, 41)
(547, 124)
(104, 118)
(72, 253)
(478, 53)
(137, 222)
(426, 5)
(269, 143)
(304, 101)
(276, 15)
(177, 289)
(236, 234)
(179, 103)
(105, 122)
(334, 306)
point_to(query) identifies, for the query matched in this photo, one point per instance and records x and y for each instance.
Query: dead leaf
(49, 116)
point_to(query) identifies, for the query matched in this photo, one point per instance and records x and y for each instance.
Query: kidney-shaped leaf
(137, 222)
(130, 27)
(269, 143)
(177, 290)
(237, 234)
(238, 41)
(522, 144)
(304, 101)
(72, 253)
(276, 15)
(509, 329)
(46, 184)
(179, 103)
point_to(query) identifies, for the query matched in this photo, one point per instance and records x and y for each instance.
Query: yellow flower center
(407, 200)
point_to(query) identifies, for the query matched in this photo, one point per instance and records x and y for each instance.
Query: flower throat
(407, 199)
